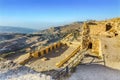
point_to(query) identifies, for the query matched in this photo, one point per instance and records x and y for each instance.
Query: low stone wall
(23, 59)
(46, 50)
(96, 48)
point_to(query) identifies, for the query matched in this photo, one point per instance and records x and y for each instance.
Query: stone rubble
(12, 71)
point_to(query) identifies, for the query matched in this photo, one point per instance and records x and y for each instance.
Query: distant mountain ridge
(10, 29)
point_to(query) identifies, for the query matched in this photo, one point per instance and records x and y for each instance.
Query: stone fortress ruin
(61, 57)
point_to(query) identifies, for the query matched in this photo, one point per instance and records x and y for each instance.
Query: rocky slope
(14, 42)
(13, 71)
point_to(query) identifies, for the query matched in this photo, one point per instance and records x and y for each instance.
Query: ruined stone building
(92, 32)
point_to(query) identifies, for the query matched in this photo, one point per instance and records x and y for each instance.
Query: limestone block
(46, 50)
(63, 47)
(44, 59)
(57, 51)
(51, 48)
(55, 46)
(58, 44)
(35, 54)
(42, 52)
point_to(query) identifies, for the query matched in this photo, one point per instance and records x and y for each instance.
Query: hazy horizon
(41, 14)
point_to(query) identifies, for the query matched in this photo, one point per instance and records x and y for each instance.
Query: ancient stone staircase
(71, 51)
(69, 65)
(75, 60)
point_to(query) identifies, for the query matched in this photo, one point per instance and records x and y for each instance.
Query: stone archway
(90, 45)
(108, 27)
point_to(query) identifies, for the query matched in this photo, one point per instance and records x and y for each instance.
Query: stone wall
(96, 47)
(89, 41)
(85, 36)
(97, 29)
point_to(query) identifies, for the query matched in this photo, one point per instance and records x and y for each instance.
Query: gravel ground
(22, 73)
(95, 72)
(12, 71)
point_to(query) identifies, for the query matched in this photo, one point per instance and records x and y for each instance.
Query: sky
(40, 14)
